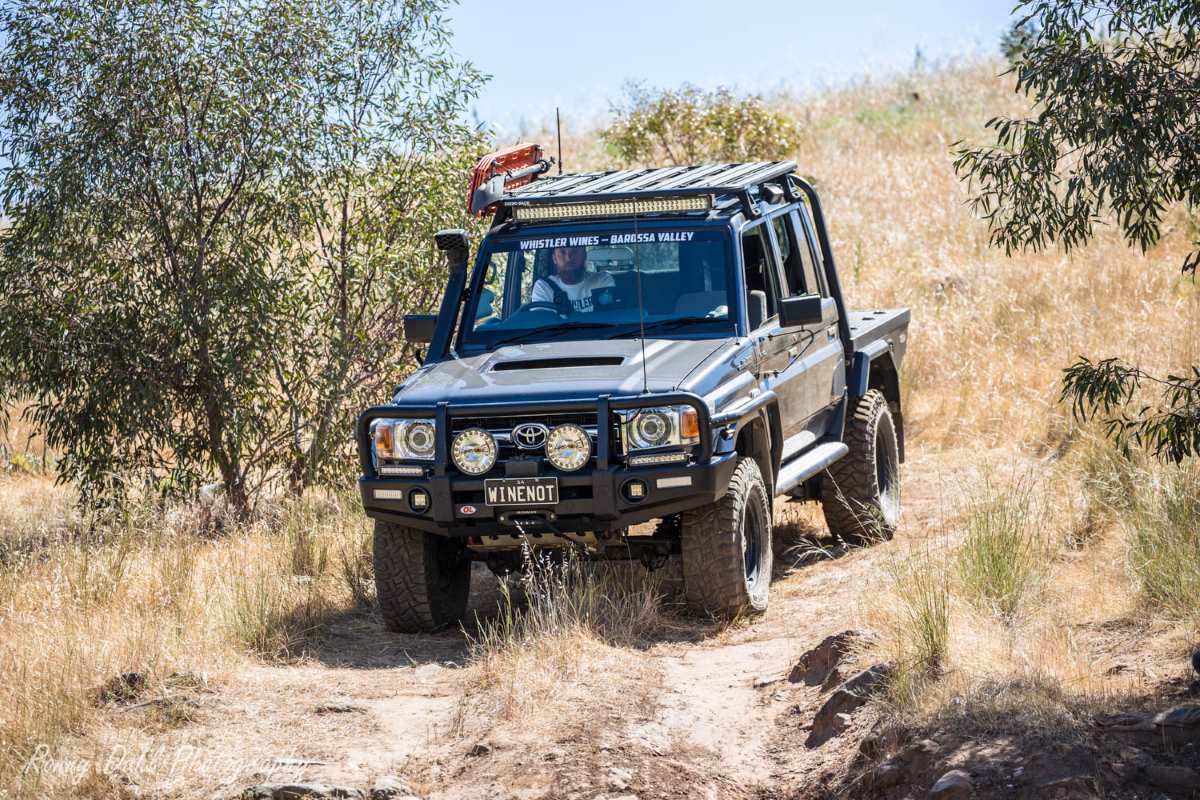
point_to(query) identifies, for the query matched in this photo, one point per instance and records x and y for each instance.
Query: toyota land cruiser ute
(632, 346)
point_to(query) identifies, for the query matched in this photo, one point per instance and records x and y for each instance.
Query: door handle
(831, 332)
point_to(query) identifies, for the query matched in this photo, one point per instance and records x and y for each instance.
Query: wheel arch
(878, 371)
(761, 438)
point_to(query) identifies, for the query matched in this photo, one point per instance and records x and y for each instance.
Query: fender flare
(874, 367)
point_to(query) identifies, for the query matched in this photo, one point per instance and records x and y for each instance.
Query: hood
(558, 371)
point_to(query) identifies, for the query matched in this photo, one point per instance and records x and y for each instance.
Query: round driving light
(652, 429)
(416, 439)
(474, 451)
(568, 447)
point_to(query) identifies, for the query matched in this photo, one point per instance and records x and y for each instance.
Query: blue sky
(578, 55)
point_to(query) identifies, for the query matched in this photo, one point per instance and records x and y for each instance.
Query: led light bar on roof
(613, 208)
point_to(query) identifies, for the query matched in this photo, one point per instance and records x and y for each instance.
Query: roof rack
(725, 184)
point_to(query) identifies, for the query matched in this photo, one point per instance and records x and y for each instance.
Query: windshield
(586, 285)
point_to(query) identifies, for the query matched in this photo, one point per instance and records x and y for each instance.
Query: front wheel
(726, 546)
(422, 581)
(861, 493)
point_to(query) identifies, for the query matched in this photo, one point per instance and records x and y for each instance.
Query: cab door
(760, 274)
(813, 374)
(774, 347)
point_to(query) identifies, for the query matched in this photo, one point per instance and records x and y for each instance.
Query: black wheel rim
(887, 467)
(752, 544)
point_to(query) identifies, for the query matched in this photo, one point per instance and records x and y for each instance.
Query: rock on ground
(954, 785)
(821, 663)
(833, 717)
(301, 791)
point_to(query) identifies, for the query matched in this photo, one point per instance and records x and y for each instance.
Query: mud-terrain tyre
(727, 554)
(422, 581)
(860, 494)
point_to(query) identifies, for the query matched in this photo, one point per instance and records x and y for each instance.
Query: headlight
(661, 427)
(409, 439)
(474, 451)
(568, 447)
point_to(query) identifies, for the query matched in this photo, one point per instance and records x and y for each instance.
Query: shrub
(689, 125)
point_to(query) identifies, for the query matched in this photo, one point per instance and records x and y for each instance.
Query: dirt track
(707, 714)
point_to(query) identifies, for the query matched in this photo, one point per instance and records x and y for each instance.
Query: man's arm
(543, 292)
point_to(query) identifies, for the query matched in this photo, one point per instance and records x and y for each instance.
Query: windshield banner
(608, 239)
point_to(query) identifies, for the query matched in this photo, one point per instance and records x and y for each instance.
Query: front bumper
(589, 500)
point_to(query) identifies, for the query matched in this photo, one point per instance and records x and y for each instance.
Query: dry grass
(916, 624)
(1005, 550)
(1164, 542)
(563, 621)
(148, 593)
(1033, 626)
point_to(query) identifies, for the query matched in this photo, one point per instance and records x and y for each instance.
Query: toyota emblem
(530, 435)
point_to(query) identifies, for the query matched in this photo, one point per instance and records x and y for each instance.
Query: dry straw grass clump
(565, 618)
(1164, 542)
(1005, 552)
(915, 619)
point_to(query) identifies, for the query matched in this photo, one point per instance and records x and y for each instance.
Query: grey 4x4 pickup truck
(630, 346)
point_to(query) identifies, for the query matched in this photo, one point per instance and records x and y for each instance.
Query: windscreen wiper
(666, 324)
(562, 327)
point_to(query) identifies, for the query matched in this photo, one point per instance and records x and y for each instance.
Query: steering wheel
(540, 305)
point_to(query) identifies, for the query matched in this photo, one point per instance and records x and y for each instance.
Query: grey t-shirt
(579, 294)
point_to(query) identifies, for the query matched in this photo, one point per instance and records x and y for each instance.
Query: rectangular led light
(403, 470)
(657, 458)
(613, 208)
(672, 483)
(389, 494)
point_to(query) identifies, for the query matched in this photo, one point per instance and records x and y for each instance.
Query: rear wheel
(861, 492)
(726, 546)
(422, 581)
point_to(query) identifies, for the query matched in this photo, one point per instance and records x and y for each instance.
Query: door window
(799, 269)
(810, 253)
(759, 266)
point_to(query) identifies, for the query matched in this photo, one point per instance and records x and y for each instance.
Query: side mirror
(807, 309)
(757, 309)
(419, 327)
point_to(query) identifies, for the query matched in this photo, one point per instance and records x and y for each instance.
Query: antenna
(558, 128)
(637, 273)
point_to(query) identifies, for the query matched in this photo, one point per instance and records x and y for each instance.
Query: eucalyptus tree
(170, 168)
(387, 167)
(1113, 136)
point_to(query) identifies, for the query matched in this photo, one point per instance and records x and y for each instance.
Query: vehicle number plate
(521, 491)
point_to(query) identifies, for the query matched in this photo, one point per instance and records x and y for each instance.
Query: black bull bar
(603, 406)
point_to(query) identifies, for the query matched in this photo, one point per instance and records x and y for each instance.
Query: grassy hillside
(1038, 572)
